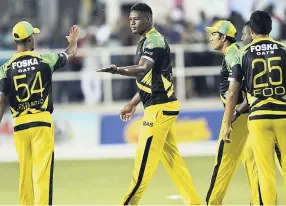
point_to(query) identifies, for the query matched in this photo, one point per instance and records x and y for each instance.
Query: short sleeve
(153, 48)
(56, 60)
(3, 80)
(236, 73)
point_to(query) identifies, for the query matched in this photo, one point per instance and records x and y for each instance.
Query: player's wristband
(115, 71)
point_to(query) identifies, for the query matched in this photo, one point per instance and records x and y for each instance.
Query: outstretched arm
(142, 68)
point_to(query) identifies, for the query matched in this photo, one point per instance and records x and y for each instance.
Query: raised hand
(74, 34)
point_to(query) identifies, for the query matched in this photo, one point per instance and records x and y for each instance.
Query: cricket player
(26, 80)
(228, 155)
(157, 139)
(247, 39)
(261, 65)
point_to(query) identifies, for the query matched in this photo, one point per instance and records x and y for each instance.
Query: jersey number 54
(23, 88)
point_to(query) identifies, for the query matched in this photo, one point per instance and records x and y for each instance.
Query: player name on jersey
(264, 49)
(26, 105)
(25, 65)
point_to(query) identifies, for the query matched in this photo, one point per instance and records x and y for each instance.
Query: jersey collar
(262, 39)
(25, 53)
(228, 48)
(149, 32)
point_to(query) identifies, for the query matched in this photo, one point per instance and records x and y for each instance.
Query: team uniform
(26, 79)
(229, 155)
(261, 64)
(157, 138)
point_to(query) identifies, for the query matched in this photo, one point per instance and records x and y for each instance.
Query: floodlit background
(94, 148)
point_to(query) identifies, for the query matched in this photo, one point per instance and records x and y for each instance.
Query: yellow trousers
(265, 133)
(227, 160)
(157, 141)
(34, 142)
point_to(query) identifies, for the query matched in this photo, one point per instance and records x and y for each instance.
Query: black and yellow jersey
(263, 66)
(27, 81)
(228, 59)
(156, 86)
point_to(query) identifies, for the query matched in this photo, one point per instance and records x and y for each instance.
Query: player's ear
(149, 18)
(252, 34)
(223, 37)
(29, 39)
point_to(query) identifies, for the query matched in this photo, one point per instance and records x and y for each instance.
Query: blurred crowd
(176, 28)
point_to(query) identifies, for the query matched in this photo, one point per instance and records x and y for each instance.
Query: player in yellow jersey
(157, 139)
(228, 155)
(26, 80)
(261, 65)
(247, 39)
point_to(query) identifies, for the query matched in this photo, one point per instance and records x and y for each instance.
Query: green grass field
(102, 182)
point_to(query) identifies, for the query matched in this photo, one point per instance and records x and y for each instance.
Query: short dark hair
(231, 40)
(142, 7)
(260, 22)
(247, 23)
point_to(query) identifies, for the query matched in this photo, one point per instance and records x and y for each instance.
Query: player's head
(260, 23)
(246, 34)
(223, 32)
(140, 18)
(23, 34)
